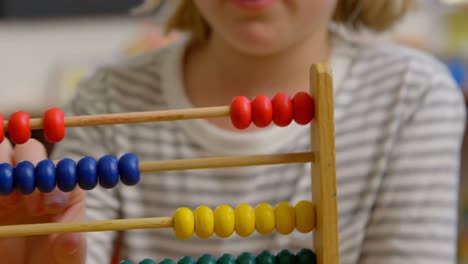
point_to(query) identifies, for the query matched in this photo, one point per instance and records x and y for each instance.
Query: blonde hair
(376, 15)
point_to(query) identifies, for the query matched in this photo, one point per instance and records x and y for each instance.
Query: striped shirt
(399, 123)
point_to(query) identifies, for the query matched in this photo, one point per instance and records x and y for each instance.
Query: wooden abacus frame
(323, 173)
(322, 159)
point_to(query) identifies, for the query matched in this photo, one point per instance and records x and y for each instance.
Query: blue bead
(45, 176)
(86, 172)
(23, 175)
(6, 179)
(129, 170)
(66, 175)
(108, 171)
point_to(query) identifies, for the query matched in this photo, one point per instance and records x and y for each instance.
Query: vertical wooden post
(323, 171)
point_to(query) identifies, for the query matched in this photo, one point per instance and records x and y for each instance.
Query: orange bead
(262, 111)
(18, 127)
(282, 109)
(54, 125)
(303, 108)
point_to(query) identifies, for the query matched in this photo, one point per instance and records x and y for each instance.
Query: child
(399, 123)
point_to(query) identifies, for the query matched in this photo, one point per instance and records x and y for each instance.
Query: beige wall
(33, 53)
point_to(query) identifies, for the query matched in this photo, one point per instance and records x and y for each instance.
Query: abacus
(318, 215)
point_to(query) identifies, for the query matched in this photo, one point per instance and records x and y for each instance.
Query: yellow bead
(184, 223)
(224, 221)
(204, 221)
(245, 220)
(285, 218)
(264, 218)
(305, 216)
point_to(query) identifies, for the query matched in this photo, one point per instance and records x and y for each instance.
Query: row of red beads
(19, 128)
(281, 110)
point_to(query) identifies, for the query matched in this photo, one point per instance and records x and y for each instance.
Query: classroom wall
(34, 53)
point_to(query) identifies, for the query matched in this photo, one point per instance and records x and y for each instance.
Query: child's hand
(39, 208)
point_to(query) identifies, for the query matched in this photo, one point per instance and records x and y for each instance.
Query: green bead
(246, 258)
(186, 260)
(226, 259)
(206, 259)
(266, 257)
(126, 262)
(285, 257)
(167, 261)
(306, 256)
(147, 261)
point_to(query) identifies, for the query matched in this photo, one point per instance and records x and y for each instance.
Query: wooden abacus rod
(224, 162)
(92, 226)
(184, 224)
(136, 117)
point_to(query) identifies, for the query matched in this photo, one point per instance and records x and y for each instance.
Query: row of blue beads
(304, 256)
(67, 174)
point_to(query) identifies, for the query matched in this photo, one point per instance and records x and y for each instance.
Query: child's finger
(10, 201)
(71, 248)
(32, 151)
(6, 151)
(55, 202)
(39, 204)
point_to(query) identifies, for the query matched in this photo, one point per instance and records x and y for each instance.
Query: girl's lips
(253, 5)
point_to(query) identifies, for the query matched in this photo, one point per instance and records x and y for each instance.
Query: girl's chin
(257, 45)
(257, 48)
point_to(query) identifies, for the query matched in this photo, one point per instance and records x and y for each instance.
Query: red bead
(2, 132)
(54, 125)
(262, 111)
(303, 108)
(241, 112)
(18, 127)
(282, 109)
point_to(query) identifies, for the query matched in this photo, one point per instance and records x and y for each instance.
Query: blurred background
(47, 46)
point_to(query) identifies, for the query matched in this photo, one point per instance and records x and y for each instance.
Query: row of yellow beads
(244, 220)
